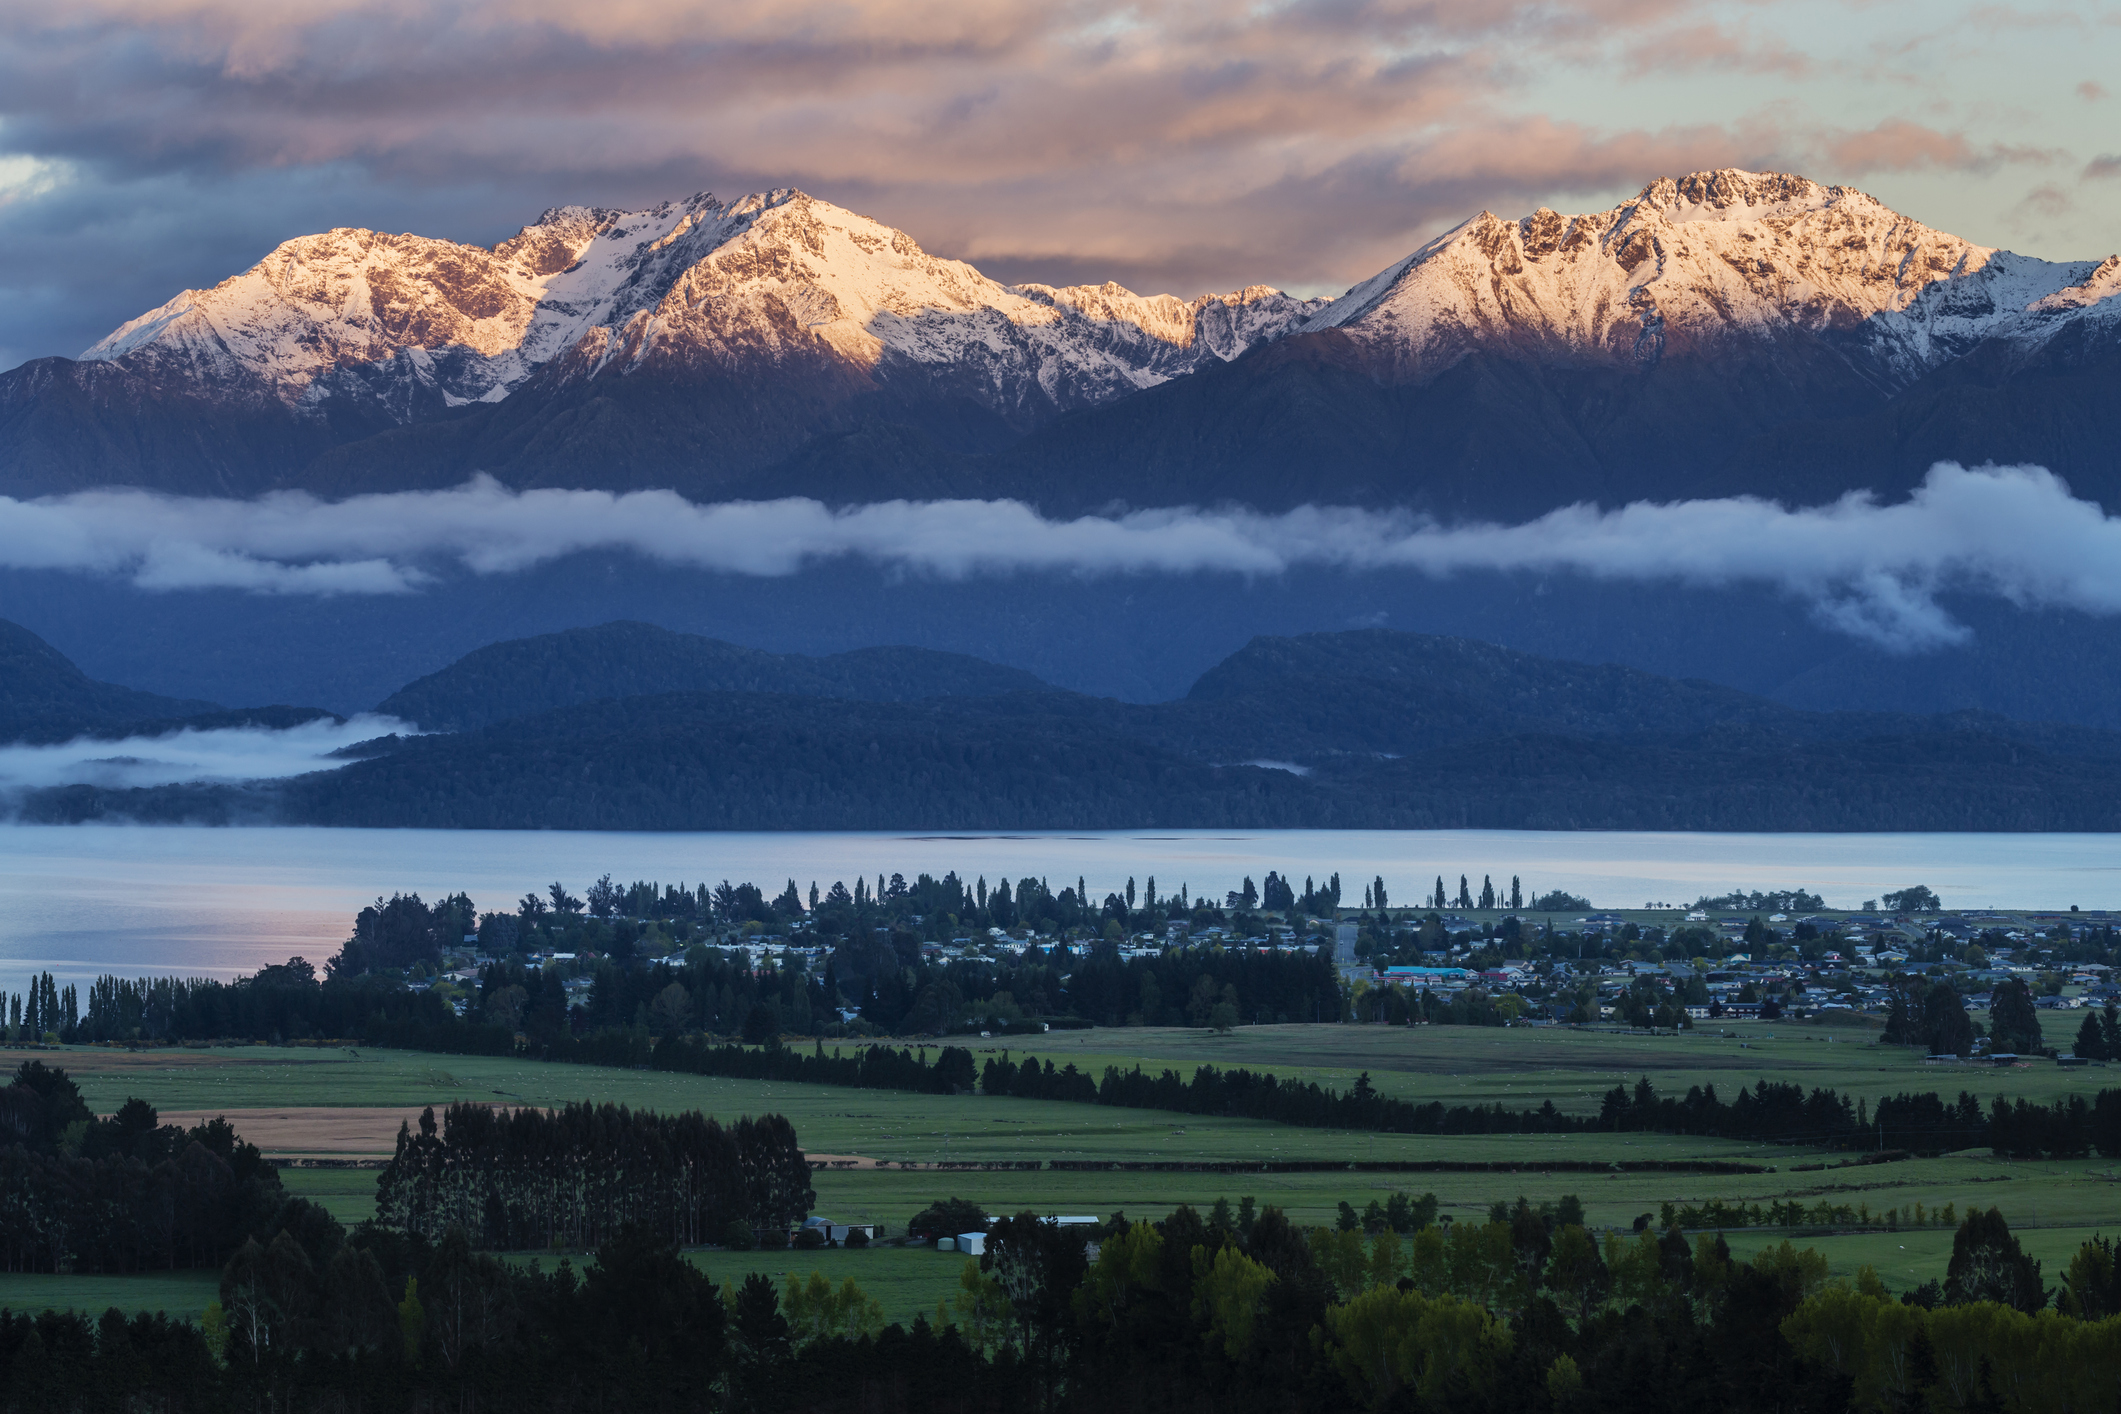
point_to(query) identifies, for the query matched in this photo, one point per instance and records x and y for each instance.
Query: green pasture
(347, 1194)
(181, 1294)
(2076, 1193)
(1521, 1066)
(1908, 1259)
(905, 1281)
(875, 1124)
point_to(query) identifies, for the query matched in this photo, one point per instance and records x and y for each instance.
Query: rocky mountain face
(1721, 332)
(1711, 266)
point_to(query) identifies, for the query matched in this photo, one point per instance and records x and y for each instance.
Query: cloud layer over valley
(1871, 570)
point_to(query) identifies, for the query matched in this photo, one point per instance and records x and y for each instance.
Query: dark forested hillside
(730, 761)
(44, 697)
(529, 675)
(1367, 729)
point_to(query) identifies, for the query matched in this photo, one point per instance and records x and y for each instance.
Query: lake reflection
(85, 900)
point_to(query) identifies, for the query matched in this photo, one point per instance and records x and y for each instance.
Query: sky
(148, 146)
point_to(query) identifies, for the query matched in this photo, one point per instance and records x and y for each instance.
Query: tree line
(576, 1176)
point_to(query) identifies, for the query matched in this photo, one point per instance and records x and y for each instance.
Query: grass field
(182, 1294)
(304, 1101)
(905, 1281)
(1526, 1065)
(873, 1124)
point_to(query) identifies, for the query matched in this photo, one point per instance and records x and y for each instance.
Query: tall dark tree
(1951, 1030)
(2014, 1024)
(1988, 1265)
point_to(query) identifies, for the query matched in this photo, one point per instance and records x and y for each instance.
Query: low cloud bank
(1871, 570)
(223, 754)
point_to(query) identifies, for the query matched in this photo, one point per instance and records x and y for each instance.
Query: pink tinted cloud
(1898, 145)
(1184, 144)
(1714, 47)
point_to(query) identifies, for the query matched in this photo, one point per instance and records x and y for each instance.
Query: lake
(80, 901)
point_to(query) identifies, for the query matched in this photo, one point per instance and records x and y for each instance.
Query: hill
(44, 697)
(530, 675)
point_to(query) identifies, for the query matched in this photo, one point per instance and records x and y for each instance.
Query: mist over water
(84, 900)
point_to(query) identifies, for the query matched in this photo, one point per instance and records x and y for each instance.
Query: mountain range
(1723, 332)
(631, 727)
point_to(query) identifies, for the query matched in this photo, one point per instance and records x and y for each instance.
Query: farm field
(1524, 1065)
(300, 1102)
(2068, 1193)
(341, 1103)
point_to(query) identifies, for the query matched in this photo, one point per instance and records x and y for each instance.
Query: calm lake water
(85, 900)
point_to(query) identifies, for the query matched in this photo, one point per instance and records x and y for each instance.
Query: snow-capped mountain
(399, 323)
(1723, 331)
(1701, 265)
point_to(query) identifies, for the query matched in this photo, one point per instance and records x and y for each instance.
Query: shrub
(947, 1218)
(810, 1237)
(738, 1236)
(857, 1238)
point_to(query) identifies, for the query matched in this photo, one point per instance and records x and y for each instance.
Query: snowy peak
(791, 277)
(1697, 264)
(401, 324)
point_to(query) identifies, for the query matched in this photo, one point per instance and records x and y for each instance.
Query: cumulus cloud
(1873, 570)
(222, 754)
